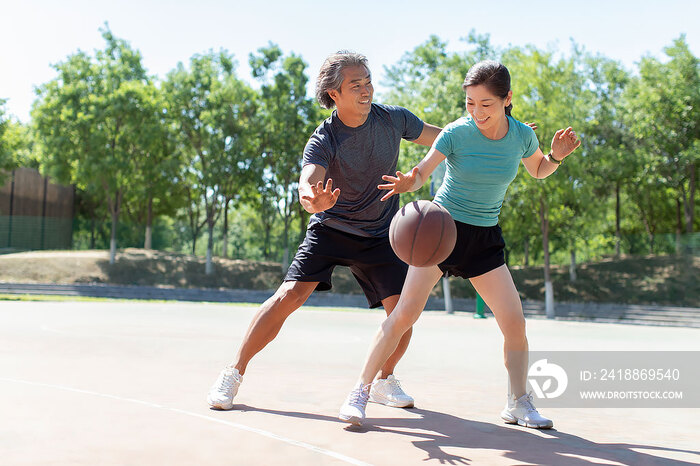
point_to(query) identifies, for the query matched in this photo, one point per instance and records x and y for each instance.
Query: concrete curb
(599, 312)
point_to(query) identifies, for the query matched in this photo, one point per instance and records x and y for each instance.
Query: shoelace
(527, 401)
(395, 387)
(359, 396)
(225, 382)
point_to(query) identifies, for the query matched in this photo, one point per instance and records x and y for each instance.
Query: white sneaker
(224, 389)
(353, 410)
(521, 411)
(389, 392)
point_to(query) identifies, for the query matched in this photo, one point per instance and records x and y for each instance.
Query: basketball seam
(415, 235)
(442, 231)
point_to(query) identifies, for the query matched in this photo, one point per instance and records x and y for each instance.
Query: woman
(483, 152)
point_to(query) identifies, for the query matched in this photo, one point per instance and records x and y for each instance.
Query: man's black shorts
(372, 261)
(478, 250)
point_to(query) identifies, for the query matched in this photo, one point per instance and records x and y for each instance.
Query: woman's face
(487, 109)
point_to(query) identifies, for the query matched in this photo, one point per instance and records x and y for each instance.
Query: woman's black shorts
(478, 250)
(372, 261)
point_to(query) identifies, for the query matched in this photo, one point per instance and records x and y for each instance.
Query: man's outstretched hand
(322, 198)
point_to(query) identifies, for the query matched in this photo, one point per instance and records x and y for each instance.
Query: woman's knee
(401, 320)
(514, 329)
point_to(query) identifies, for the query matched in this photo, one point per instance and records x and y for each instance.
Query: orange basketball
(422, 233)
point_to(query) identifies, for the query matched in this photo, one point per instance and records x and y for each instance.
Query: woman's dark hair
(330, 77)
(493, 75)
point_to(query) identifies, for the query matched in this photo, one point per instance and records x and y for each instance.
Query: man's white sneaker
(353, 410)
(389, 392)
(224, 389)
(521, 411)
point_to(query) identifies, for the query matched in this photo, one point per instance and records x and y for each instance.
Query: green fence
(35, 213)
(28, 232)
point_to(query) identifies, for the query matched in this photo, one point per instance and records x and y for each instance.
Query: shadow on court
(432, 432)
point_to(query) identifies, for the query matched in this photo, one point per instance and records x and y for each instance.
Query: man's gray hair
(330, 77)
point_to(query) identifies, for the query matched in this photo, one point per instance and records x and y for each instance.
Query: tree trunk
(548, 288)
(679, 227)
(526, 249)
(113, 236)
(690, 204)
(148, 242)
(209, 267)
(285, 256)
(302, 224)
(618, 235)
(92, 232)
(572, 266)
(114, 207)
(224, 247)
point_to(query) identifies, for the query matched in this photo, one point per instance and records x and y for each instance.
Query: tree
(663, 105)
(88, 120)
(158, 167)
(5, 151)
(214, 111)
(551, 93)
(288, 117)
(607, 144)
(15, 144)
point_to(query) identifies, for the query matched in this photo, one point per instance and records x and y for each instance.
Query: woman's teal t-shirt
(480, 169)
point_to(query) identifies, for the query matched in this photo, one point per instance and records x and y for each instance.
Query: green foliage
(176, 153)
(214, 115)
(662, 115)
(90, 122)
(15, 145)
(287, 119)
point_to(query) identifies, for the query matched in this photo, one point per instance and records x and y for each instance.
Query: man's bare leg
(269, 319)
(262, 330)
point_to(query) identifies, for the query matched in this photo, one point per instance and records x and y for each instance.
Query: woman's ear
(509, 99)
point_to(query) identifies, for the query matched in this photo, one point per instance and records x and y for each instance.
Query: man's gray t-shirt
(356, 159)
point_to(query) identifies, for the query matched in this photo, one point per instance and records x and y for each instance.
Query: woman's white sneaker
(521, 411)
(389, 392)
(223, 391)
(353, 410)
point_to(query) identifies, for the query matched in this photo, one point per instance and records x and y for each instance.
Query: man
(351, 150)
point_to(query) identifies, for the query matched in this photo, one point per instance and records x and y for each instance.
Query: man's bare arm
(428, 135)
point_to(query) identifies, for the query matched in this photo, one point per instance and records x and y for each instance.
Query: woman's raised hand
(401, 183)
(564, 143)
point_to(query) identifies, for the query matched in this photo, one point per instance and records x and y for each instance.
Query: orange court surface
(125, 383)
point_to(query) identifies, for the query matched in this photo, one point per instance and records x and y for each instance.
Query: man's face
(355, 95)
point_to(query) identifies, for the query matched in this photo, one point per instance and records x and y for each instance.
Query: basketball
(422, 233)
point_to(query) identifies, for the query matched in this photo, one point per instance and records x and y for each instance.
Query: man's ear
(333, 94)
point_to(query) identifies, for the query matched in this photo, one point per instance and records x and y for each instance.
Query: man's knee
(292, 295)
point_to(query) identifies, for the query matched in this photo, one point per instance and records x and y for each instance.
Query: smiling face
(354, 98)
(487, 110)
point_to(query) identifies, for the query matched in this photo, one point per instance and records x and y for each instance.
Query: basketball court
(115, 383)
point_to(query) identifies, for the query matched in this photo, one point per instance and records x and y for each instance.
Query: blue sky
(36, 33)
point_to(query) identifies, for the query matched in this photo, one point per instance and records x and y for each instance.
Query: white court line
(235, 425)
